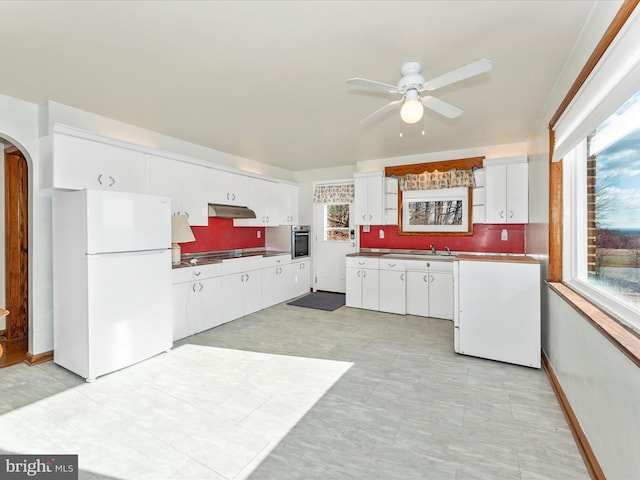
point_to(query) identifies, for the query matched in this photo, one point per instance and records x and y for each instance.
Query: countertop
(427, 255)
(207, 258)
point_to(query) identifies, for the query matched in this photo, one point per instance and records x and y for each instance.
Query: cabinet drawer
(198, 272)
(392, 264)
(429, 266)
(362, 262)
(238, 265)
(276, 261)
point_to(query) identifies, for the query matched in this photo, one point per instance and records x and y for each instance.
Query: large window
(602, 240)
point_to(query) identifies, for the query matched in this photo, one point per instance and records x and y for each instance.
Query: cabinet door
(184, 311)
(496, 194)
(375, 200)
(185, 183)
(232, 296)
(209, 303)
(393, 291)
(80, 163)
(302, 277)
(353, 297)
(227, 188)
(272, 286)
(418, 293)
(517, 193)
(370, 289)
(263, 197)
(441, 295)
(252, 291)
(289, 196)
(360, 201)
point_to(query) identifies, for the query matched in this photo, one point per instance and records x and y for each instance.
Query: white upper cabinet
(368, 202)
(289, 198)
(79, 163)
(185, 183)
(506, 190)
(264, 200)
(227, 188)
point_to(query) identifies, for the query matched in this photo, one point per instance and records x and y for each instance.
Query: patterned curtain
(436, 180)
(342, 193)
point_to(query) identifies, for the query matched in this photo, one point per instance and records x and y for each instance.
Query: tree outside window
(336, 222)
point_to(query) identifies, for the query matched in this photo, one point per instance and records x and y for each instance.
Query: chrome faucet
(433, 249)
(448, 250)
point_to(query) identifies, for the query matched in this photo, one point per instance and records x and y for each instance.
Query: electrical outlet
(258, 233)
(366, 228)
(381, 233)
(504, 236)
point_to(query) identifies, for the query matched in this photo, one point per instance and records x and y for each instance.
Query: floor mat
(320, 301)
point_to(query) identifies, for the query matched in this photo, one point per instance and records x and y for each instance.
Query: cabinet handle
(247, 277)
(501, 213)
(364, 273)
(186, 214)
(113, 181)
(370, 217)
(364, 217)
(391, 264)
(432, 278)
(100, 179)
(425, 279)
(277, 261)
(510, 213)
(201, 286)
(228, 196)
(193, 287)
(358, 274)
(233, 197)
(197, 274)
(267, 219)
(302, 266)
(360, 263)
(402, 276)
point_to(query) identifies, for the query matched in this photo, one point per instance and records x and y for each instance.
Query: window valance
(341, 193)
(436, 180)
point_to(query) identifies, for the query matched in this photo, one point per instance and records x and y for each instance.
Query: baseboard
(590, 460)
(38, 358)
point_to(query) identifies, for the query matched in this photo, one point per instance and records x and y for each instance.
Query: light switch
(505, 235)
(258, 233)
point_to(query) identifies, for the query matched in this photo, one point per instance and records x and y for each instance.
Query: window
(336, 222)
(602, 240)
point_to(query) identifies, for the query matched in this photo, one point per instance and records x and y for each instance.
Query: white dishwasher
(497, 308)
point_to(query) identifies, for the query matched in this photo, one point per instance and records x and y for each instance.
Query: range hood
(230, 211)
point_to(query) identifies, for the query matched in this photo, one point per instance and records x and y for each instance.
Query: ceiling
(266, 80)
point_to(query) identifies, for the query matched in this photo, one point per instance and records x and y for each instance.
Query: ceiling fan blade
(466, 71)
(363, 82)
(443, 108)
(378, 113)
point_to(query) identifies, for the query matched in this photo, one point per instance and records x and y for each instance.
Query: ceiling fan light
(411, 111)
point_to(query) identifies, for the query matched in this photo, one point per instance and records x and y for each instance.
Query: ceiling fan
(412, 84)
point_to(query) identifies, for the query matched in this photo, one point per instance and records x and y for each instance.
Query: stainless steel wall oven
(300, 241)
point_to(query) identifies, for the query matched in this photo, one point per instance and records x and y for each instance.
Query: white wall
(601, 384)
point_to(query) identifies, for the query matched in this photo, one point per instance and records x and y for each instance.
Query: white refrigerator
(111, 280)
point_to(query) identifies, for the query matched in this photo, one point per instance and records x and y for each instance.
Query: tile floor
(399, 405)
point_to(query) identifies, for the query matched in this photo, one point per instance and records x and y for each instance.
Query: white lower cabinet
(393, 298)
(430, 288)
(241, 287)
(197, 299)
(362, 283)
(301, 271)
(277, 280)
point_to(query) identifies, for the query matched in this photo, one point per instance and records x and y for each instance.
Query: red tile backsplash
(485, 238)
(220, 234)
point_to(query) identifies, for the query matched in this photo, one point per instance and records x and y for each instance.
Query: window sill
(624, 339)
